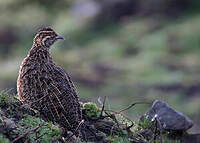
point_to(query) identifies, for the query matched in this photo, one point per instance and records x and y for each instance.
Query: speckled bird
(46, 87)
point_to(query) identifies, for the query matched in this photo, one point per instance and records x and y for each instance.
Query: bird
(46, 87)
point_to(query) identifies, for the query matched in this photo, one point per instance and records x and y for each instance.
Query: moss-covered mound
(19, 124)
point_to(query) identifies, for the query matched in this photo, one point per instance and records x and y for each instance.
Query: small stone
(9, 123)
(169, 118)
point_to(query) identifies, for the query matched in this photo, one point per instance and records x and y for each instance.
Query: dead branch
(104, 100)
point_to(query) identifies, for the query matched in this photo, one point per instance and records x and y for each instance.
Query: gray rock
(169, 118)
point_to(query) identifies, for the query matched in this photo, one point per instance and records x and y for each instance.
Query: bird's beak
(60, 37)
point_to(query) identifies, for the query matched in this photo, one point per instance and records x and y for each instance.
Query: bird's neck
(40, 54)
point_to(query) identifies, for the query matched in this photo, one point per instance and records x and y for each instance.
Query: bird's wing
(60, 101)
(67, 80)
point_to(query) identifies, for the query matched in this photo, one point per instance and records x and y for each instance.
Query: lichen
(91, 110)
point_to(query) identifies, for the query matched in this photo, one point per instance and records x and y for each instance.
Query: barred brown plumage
(46, 87)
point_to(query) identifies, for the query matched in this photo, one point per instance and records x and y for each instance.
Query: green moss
(12, 107)
(6, 99)
(3, 139)
(91, 110)
(46, 133)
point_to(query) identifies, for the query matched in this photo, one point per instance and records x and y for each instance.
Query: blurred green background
(127, 50)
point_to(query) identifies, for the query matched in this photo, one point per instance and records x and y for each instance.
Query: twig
(104, 100)
(112, 128)
(63, 139)
(155, 132)
(133, 104)
(38, 137)
(128, 127)
(130, 106)
(25, 134)
(113, 117)
(160, 128)
(123, 116)
(88, 128)
(79, 125)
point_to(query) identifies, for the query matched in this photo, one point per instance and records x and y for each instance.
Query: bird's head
(46, 37)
